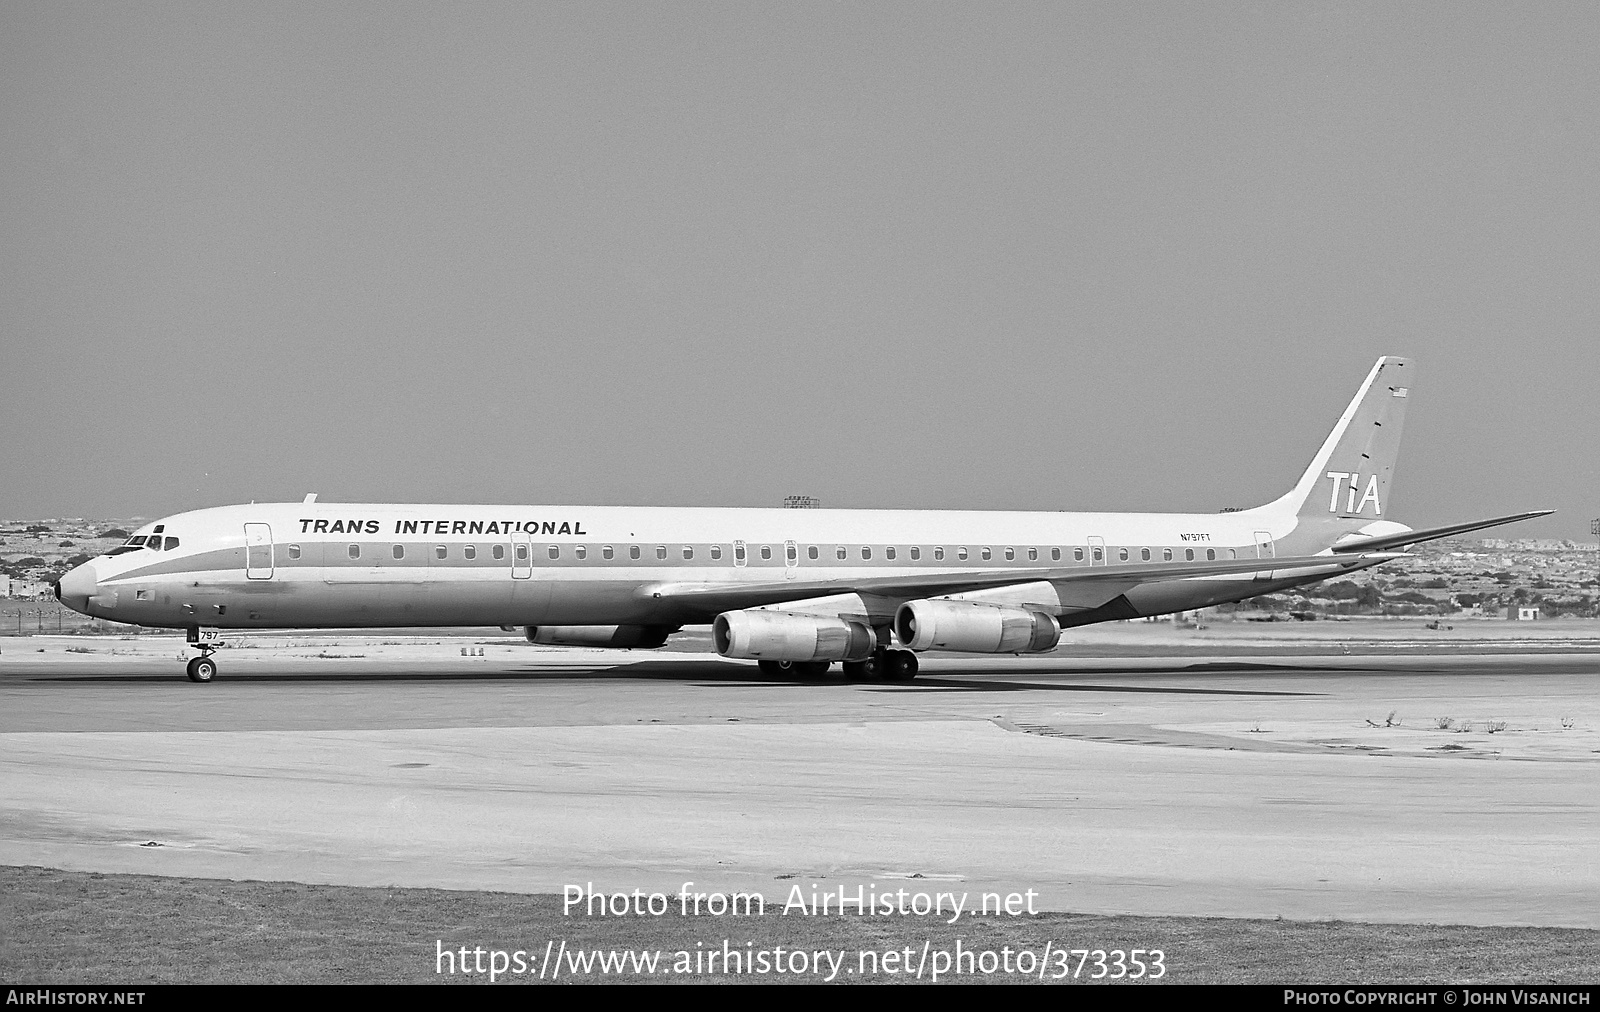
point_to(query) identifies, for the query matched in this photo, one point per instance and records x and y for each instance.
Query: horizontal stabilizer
(1387, 541)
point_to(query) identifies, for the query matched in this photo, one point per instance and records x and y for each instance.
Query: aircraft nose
(76, 586)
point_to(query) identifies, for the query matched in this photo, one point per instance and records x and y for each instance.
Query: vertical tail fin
(1350, 477)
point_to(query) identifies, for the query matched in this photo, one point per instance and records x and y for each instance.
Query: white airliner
(795, 589)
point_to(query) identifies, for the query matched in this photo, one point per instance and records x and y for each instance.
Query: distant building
(1539, 544)
(1522, 613)
(5, 586)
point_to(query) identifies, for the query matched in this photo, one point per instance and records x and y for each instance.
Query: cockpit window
(170, 545)
(136, 541)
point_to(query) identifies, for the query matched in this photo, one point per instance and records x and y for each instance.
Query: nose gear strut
(203, 668)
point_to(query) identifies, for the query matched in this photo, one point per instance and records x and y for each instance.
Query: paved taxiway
(1231, 786)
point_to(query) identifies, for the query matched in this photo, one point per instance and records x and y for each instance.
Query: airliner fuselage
(784, 586)
(314, 565)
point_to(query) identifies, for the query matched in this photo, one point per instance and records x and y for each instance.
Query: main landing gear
(202, 668)
(794, 669)
(883, 666)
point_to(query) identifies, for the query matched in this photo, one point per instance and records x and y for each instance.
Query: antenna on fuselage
(309, 499)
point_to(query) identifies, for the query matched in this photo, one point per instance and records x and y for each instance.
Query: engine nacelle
(642, 636)
(978, 628)
(779, 636)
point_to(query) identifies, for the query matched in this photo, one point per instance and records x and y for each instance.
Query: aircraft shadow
(1033, 677)
(925, 685)
(710, 675)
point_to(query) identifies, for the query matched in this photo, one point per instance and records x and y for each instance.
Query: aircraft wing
(714, 597)
(1387, 541)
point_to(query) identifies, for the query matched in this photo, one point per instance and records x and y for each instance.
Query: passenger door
(258, 551)
(1265, 549)
(1097, 551)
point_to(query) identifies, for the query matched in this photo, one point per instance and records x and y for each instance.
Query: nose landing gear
(203, 668)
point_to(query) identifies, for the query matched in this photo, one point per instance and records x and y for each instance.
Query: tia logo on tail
(1354, 487)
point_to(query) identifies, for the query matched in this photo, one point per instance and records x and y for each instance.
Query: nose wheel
(202, 668)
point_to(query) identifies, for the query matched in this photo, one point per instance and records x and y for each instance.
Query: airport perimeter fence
(25, 618)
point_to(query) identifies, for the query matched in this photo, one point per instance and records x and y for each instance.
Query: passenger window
(1011, 553)
(738, 552)
(355, 551)
(1166, 555)
(1055, 555)
(688, 552)
(1122, 555)
(555, 551)
(986, 555)
(581, 551)
(938, 554)
(766, 552)
(888, 553)
(471, 552)
(294, 551)
(866, 553)
(661, 551)
(522, 553)
(606, 553)
(961, 553)
(1033, 555)
(812, 552)
(792, 553)
(399, 551)
(840, 553)
(716, 551)
(1233, 553)
(1099, 555)
(499, 552)
(633, 552)
(1211, 554)
(1144, 553)
(1077, 555)
(1188, 555)
(916, 552)
(440, 552)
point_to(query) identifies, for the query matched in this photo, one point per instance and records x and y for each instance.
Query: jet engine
(643, 636)
(779, 636)
(972, 626)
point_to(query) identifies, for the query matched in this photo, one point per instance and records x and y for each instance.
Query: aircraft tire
(868, 669)
(794, 669)
(900, 666)
(202, 669)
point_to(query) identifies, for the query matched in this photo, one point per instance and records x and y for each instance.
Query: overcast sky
(1038, 256)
